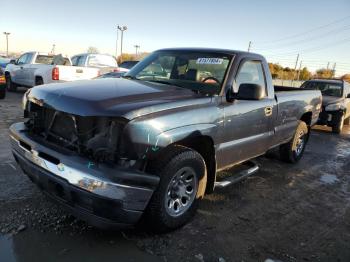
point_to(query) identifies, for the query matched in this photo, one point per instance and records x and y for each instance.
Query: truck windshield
(327, 89)
(199, 71)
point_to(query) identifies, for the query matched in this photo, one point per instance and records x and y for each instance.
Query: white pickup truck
(36, 68)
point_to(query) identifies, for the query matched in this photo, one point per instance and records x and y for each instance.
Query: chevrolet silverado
(36, 68)
(150, 145)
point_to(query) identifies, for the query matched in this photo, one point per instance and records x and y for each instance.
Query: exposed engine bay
(97, 138)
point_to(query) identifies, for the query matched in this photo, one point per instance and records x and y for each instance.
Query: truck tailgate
(72, 73)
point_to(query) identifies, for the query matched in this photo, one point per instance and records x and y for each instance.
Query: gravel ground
(284, 212)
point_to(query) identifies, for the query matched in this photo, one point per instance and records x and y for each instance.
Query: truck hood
(327, 100)
(114, 97)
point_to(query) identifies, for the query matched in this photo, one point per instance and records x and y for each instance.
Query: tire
(39, 81)
(10, 86)
(338, 127)
(292, 151)
(2, 93)
(175, 201)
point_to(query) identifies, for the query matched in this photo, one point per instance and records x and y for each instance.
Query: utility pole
(249, 46)
(301, 62)
(116, 43)
(122, 29)
(296, 63)
(7, 42)
(53, 49)
(136, 48)
(333, 70)
(327, 66)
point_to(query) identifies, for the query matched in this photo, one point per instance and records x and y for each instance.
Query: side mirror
(13, 61)
(250, 92)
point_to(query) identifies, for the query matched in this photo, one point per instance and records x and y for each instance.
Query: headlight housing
(333, 107)
(25, 99)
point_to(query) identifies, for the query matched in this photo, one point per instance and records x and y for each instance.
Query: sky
(319, 30)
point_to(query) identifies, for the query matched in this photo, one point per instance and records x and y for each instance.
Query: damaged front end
(96, 138)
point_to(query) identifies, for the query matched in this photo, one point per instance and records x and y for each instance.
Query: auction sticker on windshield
(209, 61)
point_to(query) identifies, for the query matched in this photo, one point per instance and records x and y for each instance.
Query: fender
(147, 142)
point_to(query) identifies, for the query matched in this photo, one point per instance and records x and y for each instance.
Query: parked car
(2, 84)
(4, 61)
(114, 150)
(106, 63)
(335, 102)
(35, 68)
(127, 65)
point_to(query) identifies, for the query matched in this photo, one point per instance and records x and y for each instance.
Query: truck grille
(94, 137)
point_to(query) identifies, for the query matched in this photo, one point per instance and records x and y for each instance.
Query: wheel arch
(307, 118)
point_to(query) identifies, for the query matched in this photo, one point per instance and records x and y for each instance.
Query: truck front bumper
(104, 196)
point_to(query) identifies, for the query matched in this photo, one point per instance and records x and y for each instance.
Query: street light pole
(136, 48)
(7, 43)
(116, 43)
(122, 29)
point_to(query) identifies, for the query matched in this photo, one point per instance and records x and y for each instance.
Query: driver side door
(17, 74)
(248, 124)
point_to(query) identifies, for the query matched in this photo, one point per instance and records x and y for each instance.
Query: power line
(315, 49)
(308, 31)
(302, 41)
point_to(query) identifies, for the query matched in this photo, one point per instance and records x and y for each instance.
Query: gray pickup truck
(150, 145)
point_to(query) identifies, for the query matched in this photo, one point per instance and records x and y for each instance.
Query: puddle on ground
(34, 246)
(329, 179)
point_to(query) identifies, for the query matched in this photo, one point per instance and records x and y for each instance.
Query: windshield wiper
(164, 82)
(130, 77)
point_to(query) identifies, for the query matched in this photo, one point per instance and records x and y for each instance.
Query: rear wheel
(175, 201)
(39, 81)
(293, 150)
(338, 127)
(10, 86)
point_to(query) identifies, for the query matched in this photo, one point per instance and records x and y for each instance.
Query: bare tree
(92, 50)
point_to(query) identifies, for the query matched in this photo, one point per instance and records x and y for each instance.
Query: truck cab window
(29, 58)
(22, 60)
(250, 72)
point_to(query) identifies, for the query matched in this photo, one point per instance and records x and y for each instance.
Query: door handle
(268, 111)
(21, 67)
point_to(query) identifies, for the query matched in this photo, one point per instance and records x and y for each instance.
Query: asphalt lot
(284, 212)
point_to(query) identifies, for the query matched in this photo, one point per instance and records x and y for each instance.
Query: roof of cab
(328, 80)
(213, 50)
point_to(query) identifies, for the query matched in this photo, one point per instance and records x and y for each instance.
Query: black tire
(338, 127)
(39, 81)
(158, 214)
(10, 86)
(2, 93)
(292, 151)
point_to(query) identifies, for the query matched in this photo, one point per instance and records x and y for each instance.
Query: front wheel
(338, 127)
(174, 203)
(293, 150)
(2, 93)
